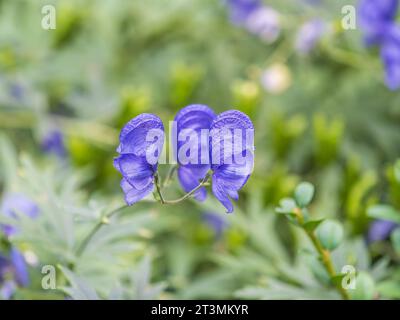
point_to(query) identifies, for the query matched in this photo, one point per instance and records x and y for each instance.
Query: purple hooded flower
(12, 205)
(376, 17)
(308, 35)
(53, 143)
(191, 121)
(231, 147)
(216, 222)
(141, 142)
(380, 230)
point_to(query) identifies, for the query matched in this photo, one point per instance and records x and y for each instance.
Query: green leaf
(337, 279)
(80, 289)
(330, 234)
(312, 225)
(395, 237)
(141, 281)
(303, 194)
(318, 269)
(384, 212)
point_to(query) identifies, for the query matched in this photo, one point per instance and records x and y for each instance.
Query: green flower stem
(104, 220)
(324, 254)
(158, 187)
(187, 195)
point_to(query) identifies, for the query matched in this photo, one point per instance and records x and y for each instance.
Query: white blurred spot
(276, 79)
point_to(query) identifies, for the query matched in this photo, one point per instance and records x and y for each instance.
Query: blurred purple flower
(216, 221)
(141, 142)
(53, 143)
(380, 230)
(16, 268)
(7, 289)
(258, 19)
(13, 204)
(4, 267)
(231, 160)
(308, 35)
(19, 267)
(376, 17)
(265, 23)
(240, 10)
(390, 54)
(190, 121)
(17, 91)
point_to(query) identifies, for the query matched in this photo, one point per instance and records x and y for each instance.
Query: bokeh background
(321, 111)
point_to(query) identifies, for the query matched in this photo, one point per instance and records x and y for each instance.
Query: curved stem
(324, 255)
(187, 195)
(104, 220)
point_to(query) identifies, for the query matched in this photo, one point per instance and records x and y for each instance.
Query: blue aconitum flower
(141, 142)
(231, 149)
(380, 230)
(390, 54)
(376, 17)
(12, 205)
(190, 121)
(53, 143)
(216, 222)
(308, 35)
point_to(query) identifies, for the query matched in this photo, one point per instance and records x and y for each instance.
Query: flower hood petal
(232, 146)
(142, 133)
(191, 120)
